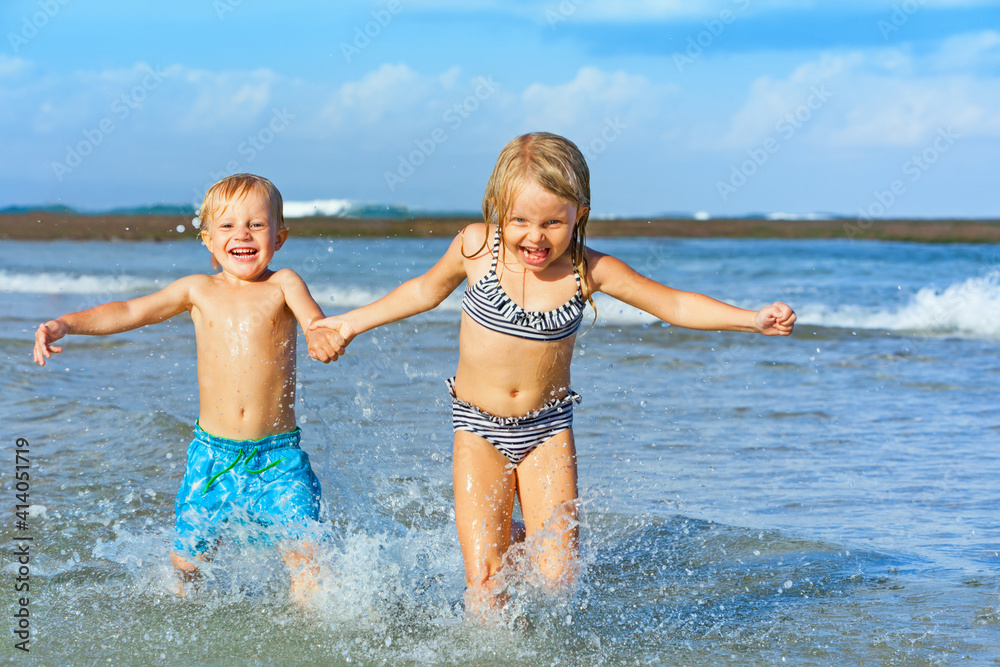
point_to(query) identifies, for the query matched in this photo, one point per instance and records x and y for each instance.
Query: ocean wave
(68, 283)
(344, 208)
(305, 209)
(971, 307)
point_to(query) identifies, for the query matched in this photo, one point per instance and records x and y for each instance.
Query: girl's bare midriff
(508, 376)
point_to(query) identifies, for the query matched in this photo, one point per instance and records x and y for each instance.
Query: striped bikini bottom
(514, 437)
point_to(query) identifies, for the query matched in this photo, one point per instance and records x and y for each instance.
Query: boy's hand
(47, 334)
(338, 324)
(775, 320)
(327, 339)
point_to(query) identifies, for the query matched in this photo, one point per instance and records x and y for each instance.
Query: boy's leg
(187, 572)
(484, 501)
(303, 567)
(547, 485)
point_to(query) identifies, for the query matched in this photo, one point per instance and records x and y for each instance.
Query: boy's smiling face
(244, 236)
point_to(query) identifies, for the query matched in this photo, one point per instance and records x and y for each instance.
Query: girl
(528, 276)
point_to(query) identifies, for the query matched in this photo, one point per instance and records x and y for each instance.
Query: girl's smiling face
(244, 236)
(539, 227)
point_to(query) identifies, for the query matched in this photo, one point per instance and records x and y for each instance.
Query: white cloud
(639, 11)
(885, 97)
(218, 100)
(386, 91)
(10, 67)
(593, 94)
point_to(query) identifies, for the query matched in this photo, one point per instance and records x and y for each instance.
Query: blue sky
(730, 107)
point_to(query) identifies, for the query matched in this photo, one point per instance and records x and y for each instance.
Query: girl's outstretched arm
(115, 317)
(686, 309)
(415, 296)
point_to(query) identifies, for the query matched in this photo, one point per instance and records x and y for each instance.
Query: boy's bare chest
(257, 310)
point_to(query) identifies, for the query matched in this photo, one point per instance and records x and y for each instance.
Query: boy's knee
(303, 555)
(182, 564)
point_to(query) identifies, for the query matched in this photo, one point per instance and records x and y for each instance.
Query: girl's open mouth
(533, 255)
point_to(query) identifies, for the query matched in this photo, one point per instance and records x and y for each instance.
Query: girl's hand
(325, 345)
(337, 324)
(47, 334)
(775, 320)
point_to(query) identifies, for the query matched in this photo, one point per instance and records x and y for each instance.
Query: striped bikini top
(488, 304)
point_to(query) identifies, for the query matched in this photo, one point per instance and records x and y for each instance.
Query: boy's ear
(206, 238)
(280, 237)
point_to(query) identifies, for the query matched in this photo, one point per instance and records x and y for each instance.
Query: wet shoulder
(603, 268)
(475, 244)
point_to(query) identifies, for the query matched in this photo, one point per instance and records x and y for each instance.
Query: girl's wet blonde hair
(555, 164)
(235, 187)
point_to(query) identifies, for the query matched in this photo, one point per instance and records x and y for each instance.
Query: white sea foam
(68, 283)
(970, 308)
(305, 209)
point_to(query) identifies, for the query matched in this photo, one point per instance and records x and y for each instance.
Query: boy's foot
(187, 573)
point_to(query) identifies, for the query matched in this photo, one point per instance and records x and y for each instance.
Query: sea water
(829, 498)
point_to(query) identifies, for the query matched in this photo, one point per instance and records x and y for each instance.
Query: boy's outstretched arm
(324, 345)
(415, 296)
(114, 317)
(685, 309)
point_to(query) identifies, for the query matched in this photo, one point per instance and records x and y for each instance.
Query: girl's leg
(484, 501)
(548, 491)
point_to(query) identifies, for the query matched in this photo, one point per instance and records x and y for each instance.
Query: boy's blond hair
(236, 187)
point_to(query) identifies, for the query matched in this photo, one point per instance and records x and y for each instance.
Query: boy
(245, 455)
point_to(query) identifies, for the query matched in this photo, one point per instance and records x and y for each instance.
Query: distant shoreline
(48, 225)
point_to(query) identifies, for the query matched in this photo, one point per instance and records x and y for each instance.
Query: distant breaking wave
(348, 208)
(333, 208)
(68, 283)
(969, 308)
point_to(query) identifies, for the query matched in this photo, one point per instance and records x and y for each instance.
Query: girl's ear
(582, 211)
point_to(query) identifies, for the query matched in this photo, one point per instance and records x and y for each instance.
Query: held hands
(775, 320)
(47, 334)
(327, 339)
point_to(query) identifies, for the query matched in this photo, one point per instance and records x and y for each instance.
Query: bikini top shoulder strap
(496, 248)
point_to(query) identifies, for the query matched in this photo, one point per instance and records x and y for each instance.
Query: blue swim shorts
(267, 481)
